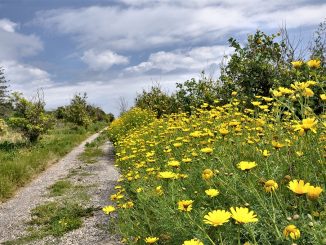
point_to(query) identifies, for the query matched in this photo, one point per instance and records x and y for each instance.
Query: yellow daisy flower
(297, 64)
(151, 240)
(217, 217)
(243, 215)
(270, 185)
(108, 209)
(314, 192)
(244, 165)
(193, 242)
(185, 205)
(313, 63)
(207, 174)
(298, 187)
(212, 192)
(292, 231)
(167, 175)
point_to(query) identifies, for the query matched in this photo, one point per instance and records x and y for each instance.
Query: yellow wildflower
(266, 153)
(244, 165)
(185, 205)
(108, 209)
(193, 242)
(277, 145)
(307, 92)
(292, 231)
(307, 124)
(276, 93)
(223, 131)
(127, 205)
(298, 187)
(174, 163)
(217, 217)
(297, 64)
(207, 150)
(243, 215)
(186, 159)
(151, 240)
(270, 185)
(117, 196)
(313, 63)
(207, 174)
(178, 144)
(159, 190)
(285, 90)
(167, 175)
(256, 103)
(196, 134)
(212, 192)
(323, 97)
(299, 153)
(314, 192)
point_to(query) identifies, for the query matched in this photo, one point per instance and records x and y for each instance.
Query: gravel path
(101, 175)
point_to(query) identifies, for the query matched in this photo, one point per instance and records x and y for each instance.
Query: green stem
(239, 243)
(203, 230)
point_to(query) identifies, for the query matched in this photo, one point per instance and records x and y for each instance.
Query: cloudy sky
(114, 48)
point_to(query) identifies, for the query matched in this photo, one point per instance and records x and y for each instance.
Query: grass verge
(21, 161)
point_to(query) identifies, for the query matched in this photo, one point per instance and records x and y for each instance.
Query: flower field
(227, 174)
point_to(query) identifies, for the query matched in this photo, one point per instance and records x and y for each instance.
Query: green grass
(60, 187)
(54, 219)
(90, 154)
(21, 161)
(93, 150)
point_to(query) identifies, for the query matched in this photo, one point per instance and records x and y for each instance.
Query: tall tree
(4, 104)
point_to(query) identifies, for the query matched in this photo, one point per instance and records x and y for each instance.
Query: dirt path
(101, 175)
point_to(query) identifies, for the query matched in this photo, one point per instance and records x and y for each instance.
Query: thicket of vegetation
(241, 162)
(262, 64)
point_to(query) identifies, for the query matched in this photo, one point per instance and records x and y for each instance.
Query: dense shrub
(30, 117)
(192, 94)
(256, 67)
(81, 113)
(76, 112)
(157, 101)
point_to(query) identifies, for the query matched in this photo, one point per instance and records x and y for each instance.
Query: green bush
(30, 118)
(157, 101)
(76, 112)
(256, 67)
(192, 94)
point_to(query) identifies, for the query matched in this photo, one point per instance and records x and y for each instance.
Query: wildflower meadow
(227, 173)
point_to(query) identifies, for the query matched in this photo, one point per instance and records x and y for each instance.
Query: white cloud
(196, 59)
(25, 78)
(103, 60)
(152, 24)
(7, 25)
(106, 93)
(14, 45)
